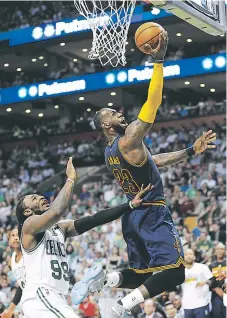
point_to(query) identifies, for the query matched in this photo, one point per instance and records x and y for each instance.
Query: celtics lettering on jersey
(46, 265)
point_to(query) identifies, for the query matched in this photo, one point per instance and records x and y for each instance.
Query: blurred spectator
(178, 305)
(150, 310)
(171, 311)
(219, 265)
(89, 308)
(195, 289)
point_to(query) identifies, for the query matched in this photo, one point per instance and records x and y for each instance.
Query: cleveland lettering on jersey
(113, 161)
(55, 248)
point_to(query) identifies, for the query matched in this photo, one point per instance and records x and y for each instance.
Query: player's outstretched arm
(138, 129)
(199, 146)
(40, 223)
(82, 225)
(8, 313)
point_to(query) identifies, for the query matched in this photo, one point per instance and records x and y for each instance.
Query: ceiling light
(132, 50)
(81, 98)
(34, 60)
(89, 109)
(187, 83)
(84, 50)
(19, 69)
(6, 65)
(45, 65)
(126, 43)
(110, 104)
(41, 57)
(74, 60)
(178, 34)
(56, 106)
(8, 109)
(202, 85)
(212, 90)
(222, 35)
(40, 114)
(113, 93)
(189, 40)
(28, 111)
(62, 44)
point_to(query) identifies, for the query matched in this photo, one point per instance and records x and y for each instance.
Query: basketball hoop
(109, 22)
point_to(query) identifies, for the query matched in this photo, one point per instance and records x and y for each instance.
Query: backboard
(207, 15)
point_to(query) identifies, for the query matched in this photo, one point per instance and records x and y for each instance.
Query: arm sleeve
(154, 98)
(17, 297)
(87, 223)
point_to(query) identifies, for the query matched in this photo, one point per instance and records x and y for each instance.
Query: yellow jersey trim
(131, 163)
(160, 268)
(161, 202)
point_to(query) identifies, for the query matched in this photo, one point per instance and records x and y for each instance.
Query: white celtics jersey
(46, 265)
(18, 270)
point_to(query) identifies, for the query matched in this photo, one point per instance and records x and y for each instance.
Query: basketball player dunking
(152, 241)
(17, 266)
(43, 237)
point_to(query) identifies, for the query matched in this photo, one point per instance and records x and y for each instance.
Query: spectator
(89, 308)
(195, 289)
(218, 308)
(204, 244)
(171, 311)
(178, 305)
(150, 310)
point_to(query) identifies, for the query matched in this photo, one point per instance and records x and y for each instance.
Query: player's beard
(119, 130)
(40, 212)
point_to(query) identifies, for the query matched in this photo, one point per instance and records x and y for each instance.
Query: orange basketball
(147, 33)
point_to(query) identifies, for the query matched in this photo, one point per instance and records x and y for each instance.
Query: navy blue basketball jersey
(131, 176)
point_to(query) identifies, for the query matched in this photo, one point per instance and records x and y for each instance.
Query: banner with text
(114, 78)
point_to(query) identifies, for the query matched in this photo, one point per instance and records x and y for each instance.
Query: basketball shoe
(93, 281)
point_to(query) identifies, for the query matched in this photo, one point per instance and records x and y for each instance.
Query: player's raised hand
(139, 197)
(70, 170)
(159, 52)
(205, 142)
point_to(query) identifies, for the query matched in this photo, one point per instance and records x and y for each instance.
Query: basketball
(147, 33)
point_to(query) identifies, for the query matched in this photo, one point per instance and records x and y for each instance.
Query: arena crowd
(195, 191)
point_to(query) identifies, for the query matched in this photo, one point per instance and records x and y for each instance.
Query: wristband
(190, 151)
(130, 204)
(71, 180)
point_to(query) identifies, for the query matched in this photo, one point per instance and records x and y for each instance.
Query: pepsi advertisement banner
(66, 27)
(114, 78)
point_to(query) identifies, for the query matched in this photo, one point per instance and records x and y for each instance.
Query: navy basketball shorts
(153, 243)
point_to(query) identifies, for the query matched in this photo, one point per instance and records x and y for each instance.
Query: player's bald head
(100, 116)
(110, 121)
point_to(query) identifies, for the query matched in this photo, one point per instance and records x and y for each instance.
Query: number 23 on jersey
(126, 181)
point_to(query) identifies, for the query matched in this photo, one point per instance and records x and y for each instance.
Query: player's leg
(96, 279)
(47, 304)
(153, 286)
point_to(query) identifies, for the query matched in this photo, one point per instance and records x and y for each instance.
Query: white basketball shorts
(47, 304)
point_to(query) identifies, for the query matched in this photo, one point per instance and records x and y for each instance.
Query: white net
(109, 22)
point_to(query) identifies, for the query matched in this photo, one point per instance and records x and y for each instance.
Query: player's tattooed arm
(201, 144)
(135, 133)
(40, 223)
(170, 158)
